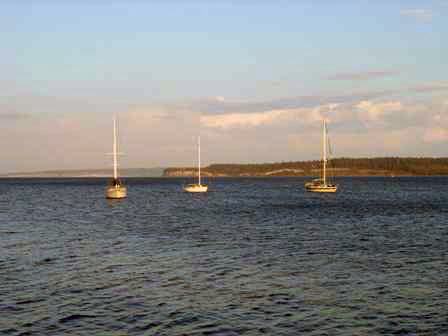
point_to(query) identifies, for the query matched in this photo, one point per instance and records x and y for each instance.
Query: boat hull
(196, 188)
(114, 192)
(321, 188)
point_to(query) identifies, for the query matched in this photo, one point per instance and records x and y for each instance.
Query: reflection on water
(251, 257)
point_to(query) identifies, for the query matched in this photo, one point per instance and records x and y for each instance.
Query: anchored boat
(322, 184)
(115, 188)
(197, 187)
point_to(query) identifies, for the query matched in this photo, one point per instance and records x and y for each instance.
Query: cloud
(363, 75)
(419, 14)
(13, 116)
(365, 127)
(429, 88)
(436, 135)
(378, 142)
(353, 115)
(164, 134)
(79, 135)
(222, 106)
(299, 116)
(227, 121)
(390, 114)
(371, 111)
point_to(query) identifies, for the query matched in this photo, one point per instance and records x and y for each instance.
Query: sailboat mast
(199, 159)
(115, 149)
(324, 138)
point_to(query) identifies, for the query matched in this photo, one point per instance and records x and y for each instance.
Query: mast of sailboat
(199, 159)
(115, 149)
(324, 138)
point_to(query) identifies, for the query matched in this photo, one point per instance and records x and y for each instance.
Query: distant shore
(88, 173)
(387, 166)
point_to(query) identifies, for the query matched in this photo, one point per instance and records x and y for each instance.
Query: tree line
(337, 166)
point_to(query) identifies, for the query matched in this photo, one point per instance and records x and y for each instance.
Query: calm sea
(254, 256)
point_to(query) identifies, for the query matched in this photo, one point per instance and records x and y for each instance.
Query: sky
(253, 78)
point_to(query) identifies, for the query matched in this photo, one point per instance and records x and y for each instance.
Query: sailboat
(322, 184)
(197, 187)
(115, 189)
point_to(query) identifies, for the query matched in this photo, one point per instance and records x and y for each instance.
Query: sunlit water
(254, 256)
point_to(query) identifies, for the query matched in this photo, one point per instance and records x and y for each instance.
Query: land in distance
(125, 172)
(385, 166)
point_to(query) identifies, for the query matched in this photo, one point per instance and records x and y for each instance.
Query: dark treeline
(414, 166)
(338, 166)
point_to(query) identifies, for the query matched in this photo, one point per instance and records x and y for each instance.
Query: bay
(254, 256)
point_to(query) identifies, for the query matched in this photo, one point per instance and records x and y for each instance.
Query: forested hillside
(339, 166)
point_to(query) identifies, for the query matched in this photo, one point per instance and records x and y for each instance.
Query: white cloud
(378, 142)
(273, 117)
(233, 120)
(165, 134)
(367, 75)
(420, 14)
(436, 135)
(374, 112)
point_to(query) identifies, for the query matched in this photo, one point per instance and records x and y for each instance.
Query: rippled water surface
(253, 256)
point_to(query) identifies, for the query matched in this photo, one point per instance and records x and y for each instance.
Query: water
(254, 256)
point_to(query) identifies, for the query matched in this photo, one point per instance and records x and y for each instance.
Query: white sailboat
(321, 184)
(197, 187)
(115, 189)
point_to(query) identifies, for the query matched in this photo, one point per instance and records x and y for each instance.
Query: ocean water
(254, 256)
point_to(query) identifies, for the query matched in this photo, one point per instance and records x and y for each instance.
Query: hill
(385, 166)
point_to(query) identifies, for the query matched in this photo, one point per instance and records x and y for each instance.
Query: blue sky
(75, 62)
